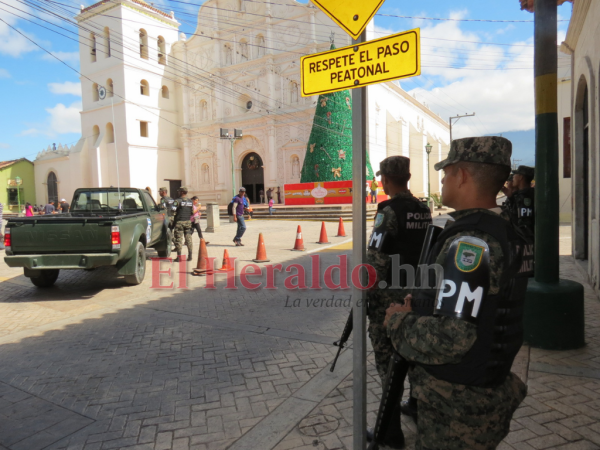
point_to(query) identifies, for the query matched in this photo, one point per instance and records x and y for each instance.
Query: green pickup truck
(105, 227)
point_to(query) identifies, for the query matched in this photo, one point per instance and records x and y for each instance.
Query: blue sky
(42, 96)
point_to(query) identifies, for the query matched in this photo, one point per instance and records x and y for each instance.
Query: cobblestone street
(93, 363)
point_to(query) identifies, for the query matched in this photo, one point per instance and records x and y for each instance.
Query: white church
(154, 102)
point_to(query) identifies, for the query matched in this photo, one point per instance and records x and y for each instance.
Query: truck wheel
(165, 252)
(140, 266)
(46, 279)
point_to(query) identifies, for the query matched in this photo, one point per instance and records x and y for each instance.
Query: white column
(272, 152)
(187, 160)
(405, 138)
(425, 168)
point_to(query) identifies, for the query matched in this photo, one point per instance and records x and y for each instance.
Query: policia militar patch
(468, 256)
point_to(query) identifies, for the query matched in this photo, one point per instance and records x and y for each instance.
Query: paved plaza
(93, 363)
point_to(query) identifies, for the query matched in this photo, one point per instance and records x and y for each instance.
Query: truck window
(108, 201)
(149, 200)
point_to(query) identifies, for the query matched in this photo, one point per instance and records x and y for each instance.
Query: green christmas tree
(329, 151)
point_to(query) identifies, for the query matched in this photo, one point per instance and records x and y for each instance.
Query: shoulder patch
(468, 256)
(378, 219)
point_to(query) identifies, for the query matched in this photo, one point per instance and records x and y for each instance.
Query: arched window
(109, 88)
(260, 46)
(165, 92)
(162, 53)
(203, 110)
(52, 185)
(144, 88)
(228, 55)
(95, 92)
(293, 92)
(143, 44)
(95, 131)
(107, 42)
(92, 47)
(243, 50)
(110, 133)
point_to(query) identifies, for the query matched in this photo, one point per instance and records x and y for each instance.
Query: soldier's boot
(409, 408)
(178, 256)
(189, 257)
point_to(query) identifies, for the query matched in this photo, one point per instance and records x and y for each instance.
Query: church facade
(155, 101)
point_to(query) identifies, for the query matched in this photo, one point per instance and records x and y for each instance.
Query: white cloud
(11, 42)
(68, 87)
(4, 73)
(68, 57)
(63, 120)
(4, 145)
(458, 77)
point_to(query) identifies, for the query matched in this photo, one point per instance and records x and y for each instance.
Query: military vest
(412, 218)
(520, 208)
(168, 204)
(499, 325)
(185, 209)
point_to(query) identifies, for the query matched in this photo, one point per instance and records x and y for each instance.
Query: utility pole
(457, 119)
(554, 311)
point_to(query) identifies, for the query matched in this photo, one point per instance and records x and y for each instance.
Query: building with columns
(154, 102)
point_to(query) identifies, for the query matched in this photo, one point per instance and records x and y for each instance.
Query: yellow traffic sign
(385, 59)
(352, 15)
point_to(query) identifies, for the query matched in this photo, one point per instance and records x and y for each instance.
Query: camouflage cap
(484, 149)
(395, 166)
(182, 189)
(164, 189)
(525, 170)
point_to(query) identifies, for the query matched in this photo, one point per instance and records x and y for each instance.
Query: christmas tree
(329, 151)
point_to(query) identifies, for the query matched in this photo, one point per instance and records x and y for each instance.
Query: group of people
(457, 345)
(183, 215)
(49, 208)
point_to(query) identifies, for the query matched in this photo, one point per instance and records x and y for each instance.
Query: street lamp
(237, 134)
(428, 150)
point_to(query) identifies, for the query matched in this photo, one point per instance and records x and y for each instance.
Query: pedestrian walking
(196, 218)
(271, 209)
(182, 223)
(270, 193)
(374, 186)
(261, 194)
(28, 212)
(238, 216)
(278, 195)
(398, 232)
(469, 335)
(63, 206)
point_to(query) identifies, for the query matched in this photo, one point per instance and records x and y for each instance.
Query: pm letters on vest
(465, 293)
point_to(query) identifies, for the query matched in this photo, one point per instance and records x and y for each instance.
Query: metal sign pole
(359, 253)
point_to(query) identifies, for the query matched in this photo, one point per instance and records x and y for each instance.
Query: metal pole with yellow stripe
(554, 313)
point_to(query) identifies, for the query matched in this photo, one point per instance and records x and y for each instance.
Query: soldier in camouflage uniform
(184, 209)
(519, 207)
(398, 232)
(463, 338)
(166, 203)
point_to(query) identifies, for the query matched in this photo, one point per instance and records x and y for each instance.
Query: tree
(329, 151)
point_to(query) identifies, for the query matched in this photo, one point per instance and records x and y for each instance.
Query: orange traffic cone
(202, 266)
(227, 266)
(299, 244)
(341, 231)
(261, 251)
(323, 238)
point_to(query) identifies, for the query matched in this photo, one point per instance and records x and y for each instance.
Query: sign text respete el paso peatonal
(389, 58)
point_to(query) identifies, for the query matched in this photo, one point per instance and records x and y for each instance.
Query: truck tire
(140, 266)
(46, 279)
(165, 251)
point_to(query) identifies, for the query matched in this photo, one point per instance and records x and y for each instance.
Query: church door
(253, 176)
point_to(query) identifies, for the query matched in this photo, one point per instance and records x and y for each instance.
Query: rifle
(398, 367)
(342, 341)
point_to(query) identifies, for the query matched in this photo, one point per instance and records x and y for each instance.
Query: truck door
(156, 217)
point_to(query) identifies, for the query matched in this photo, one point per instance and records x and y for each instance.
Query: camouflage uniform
(183, 223)
(380, 299)
(519, 207)
(456, 416)
(167, 203)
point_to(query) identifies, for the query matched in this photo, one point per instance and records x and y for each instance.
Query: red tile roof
(4, 164)
(529, 4)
